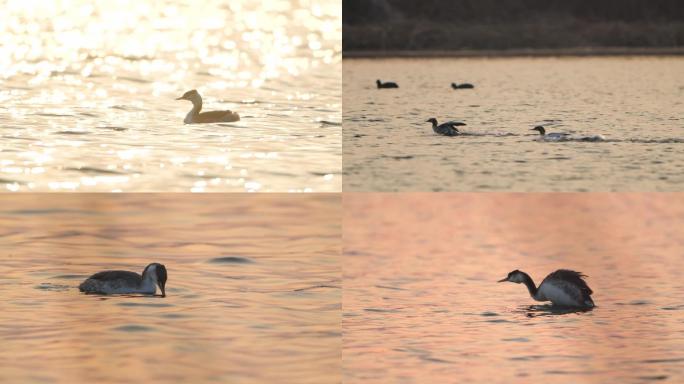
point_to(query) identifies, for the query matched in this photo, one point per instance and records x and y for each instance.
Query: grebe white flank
(195, 117)
(549, 136)
(446, 129)
(113, 282)
(563, 288)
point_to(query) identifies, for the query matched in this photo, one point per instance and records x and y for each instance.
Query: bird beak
(502, 280)
(163, 291)
(180, 98)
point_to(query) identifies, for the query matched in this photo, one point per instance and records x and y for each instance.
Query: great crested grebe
(564, 288)
(388, 84)
(195, 117)
(117, 282)
(462, 86)
(446, 129)
(549, 136)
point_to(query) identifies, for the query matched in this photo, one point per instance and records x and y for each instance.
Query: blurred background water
(636, 103)
(253, 291)
(87, 93)
(422, 302)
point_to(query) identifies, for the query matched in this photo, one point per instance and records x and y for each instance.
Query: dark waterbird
(446, 129)
(388, 84)
(563, 288)
(462, 86)
(126, 282)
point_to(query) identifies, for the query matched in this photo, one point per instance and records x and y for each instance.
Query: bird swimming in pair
(126, 282)
(563, 288)
(388, 84)
(446, 129)
(558, 136)
(195, 117)
(462, 86)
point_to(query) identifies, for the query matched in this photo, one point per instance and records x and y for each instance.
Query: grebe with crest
(563, 288)
(388, 84)
(122, 282)
(195, 117)
(446, 129)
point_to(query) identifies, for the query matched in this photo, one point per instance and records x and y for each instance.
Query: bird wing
(573, 277)
(130, 277)
(454, 123)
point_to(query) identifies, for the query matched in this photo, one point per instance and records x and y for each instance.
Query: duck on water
(446, 129)
(563, 288)
(125, 282)
(388, 84)
(195, 117)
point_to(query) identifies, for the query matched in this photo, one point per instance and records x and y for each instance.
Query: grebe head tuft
(192, 95)
(514, 277)
(158, 273)
(539, 129)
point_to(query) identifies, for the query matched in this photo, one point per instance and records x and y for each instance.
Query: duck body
(446, 129)
(195, 116)
(462, 86)
(388, 84)
(563, 288)
(126, 282)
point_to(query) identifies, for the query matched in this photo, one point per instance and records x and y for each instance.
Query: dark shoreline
(532, 52)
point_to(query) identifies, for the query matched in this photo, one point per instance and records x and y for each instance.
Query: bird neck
(149, 280)
(434, 123)
(527, 280)
(196, 105)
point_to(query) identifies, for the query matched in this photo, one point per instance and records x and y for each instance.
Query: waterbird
(118, 282)
(388, 84)
(462, 86)
(446, 129)
(563, 288)
(195, 117)
(549, 136)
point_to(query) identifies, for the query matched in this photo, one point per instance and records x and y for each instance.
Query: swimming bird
(195, 117)
(462, 86)
(446, 129)
(564, 288)
(388, 84)
(113, 282)
(550, 136)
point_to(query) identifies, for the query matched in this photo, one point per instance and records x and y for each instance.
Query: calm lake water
(421, 302)
(88, 88)
(636, 103)
(253, 293)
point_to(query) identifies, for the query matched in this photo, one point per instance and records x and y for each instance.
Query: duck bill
(502, 280)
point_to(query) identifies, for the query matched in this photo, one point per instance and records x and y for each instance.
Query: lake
(88, 96)
(635, 103)
(422, 302)
(253, 290)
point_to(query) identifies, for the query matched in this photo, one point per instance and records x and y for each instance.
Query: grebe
(388, 84)
(462, 86)
(195, 117)
(446, 129)
(563, 288)
(550, 136)
(112, 282)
